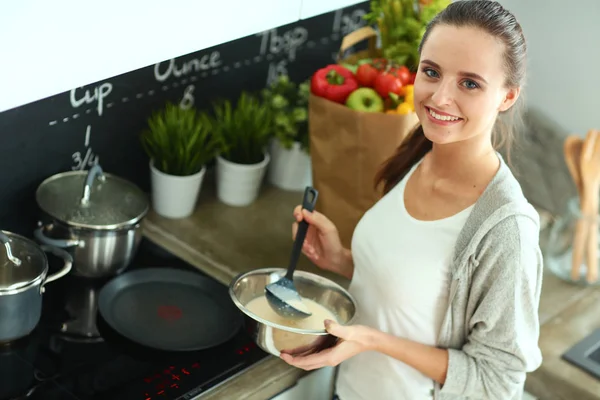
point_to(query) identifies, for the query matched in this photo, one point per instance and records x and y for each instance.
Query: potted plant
(179, 143)
(245, 130)
(290, 167)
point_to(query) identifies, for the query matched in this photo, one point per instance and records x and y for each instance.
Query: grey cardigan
(491, 328)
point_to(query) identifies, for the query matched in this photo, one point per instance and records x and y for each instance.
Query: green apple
(365, 99)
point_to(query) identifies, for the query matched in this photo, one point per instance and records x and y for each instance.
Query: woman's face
(460, 86)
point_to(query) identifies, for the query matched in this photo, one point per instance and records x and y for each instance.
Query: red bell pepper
(334, 83)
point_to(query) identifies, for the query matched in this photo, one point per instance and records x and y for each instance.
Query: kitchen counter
(568, 314)
(224, 241)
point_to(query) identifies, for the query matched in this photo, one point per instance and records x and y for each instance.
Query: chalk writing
(97, 95)
(276, 70)
(347, 23)
(164, 70)
(81, 162)
(287, 43)
(187, 101)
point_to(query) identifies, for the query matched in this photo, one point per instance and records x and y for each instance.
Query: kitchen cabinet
(311, 8)
(318, 385)
(49, 47)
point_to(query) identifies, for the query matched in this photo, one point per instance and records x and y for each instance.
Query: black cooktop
(73, 354)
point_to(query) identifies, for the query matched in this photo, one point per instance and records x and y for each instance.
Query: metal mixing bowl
(274, 338)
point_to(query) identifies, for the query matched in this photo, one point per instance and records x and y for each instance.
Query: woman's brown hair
(494, 19)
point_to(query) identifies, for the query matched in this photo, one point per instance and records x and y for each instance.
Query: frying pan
(169, 309)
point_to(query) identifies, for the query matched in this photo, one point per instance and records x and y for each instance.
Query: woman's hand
(354, 339)
(322, 244)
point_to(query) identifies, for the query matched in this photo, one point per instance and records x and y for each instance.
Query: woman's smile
(442, 118)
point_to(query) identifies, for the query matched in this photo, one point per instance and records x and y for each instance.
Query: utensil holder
(558, 252)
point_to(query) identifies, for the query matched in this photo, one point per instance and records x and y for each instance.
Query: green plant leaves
(289, 103)
(180, 142)
(245, 129)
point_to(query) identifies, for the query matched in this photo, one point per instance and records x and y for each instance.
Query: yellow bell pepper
(405, 108)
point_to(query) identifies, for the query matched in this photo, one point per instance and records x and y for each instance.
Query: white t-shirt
(401, 283)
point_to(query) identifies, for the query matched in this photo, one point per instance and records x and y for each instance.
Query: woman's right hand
(322, 245)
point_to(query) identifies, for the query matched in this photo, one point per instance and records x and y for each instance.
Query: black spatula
(282, 295)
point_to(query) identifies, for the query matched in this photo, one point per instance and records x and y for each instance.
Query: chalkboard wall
(103, 119)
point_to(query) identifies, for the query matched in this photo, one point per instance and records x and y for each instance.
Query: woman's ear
(511, 97)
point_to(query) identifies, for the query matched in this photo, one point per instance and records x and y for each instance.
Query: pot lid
(22, 262)
(92, 199)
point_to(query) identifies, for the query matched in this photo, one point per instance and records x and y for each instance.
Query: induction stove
(74, 355)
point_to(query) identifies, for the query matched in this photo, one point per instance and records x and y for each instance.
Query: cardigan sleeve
(502, 344)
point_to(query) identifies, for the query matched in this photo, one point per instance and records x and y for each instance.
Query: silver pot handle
(62, 243)
(6, 241)
(95, 171)
(64, 270)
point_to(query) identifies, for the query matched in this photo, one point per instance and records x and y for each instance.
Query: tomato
(413, 76)
(387, 82)
(366, 74)
(380, 63)
(403, 73)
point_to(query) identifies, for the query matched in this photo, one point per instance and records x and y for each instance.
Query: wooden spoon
(572, 149)
(590, 176)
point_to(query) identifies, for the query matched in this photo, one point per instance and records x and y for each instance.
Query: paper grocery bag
(347, 148)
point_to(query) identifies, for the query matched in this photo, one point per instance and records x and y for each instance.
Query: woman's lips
(441, 118)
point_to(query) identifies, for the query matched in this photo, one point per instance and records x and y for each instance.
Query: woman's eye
(470, 84)
(430, 73)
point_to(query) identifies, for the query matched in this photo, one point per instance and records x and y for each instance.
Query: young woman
(446, 267)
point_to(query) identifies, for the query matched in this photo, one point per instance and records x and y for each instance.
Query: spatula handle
(308, 203)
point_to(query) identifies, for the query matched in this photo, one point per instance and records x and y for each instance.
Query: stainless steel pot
(275, 338)
(95, 216)
(23, 274)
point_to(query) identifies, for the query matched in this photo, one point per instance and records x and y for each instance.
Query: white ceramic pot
(290, 169)
(238, 184)
(175, 196)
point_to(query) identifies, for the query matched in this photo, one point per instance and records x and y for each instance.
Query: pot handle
(68, 259)
(6, 241)
(38, 233)
(95, 171)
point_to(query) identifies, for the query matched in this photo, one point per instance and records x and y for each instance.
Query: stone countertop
(224, 241)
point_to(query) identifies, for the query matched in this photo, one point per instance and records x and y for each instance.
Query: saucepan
(95, 216)
(23, 274)
(275, 338)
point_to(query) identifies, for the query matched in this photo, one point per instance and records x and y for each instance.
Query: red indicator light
(175, 386)
(185, 371)
(161, 392)
(175, 377)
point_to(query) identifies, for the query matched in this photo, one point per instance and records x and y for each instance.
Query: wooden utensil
(572, 150)
(590, 177)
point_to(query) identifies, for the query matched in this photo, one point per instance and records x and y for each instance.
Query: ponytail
(410, 151)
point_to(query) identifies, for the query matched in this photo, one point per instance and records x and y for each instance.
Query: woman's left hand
(354, 339)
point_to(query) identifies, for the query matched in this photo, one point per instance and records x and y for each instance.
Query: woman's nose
(443, 94)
